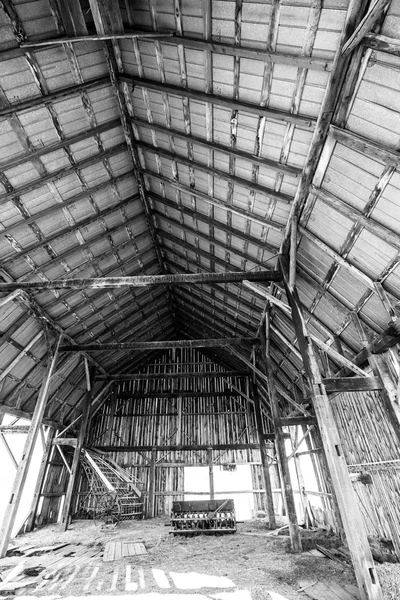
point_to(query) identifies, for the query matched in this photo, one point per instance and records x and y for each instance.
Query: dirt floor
(248, 558)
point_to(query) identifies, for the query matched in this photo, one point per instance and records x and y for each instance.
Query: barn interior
(199, 276)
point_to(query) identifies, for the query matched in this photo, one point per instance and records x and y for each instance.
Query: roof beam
(198, 216)
(184, 375)
(349, 211)
(95, 38)
(108, 19)
(216, 319)
(39, 314)
(371, 18)
(305, 62)
(81, 247)
(264, 222)
(368, 147)
(383, 43)
(68, 141)
(235, 153)
(64, 172)
(192, 248)
(163, 344)
(138, 318)
(70, 200)
(77, 226)
(60, 94)
(143, 280)
(254, 109)
(256, 187)
(332, 89)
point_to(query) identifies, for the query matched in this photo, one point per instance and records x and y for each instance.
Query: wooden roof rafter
(220, 101)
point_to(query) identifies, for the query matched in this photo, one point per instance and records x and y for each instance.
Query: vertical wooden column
(77, 452)
(353, 524)
(23, 467)
(264, 459)
(210, 472)
(30, 524)
(288, 495)
(113, 405)
(179, 421)
(152, 484)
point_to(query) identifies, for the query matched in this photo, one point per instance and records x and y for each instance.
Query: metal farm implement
(112, 495)
(203, 516)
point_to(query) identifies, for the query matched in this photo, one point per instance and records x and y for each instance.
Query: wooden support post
(77, 454)
(353, 524)
(300, 479)
(111, 417)
(30, 524)
(264, 460)
(283, 466)
(23, 467)
(152, 484)
(210, 472)
(293, 251)
(179, 421)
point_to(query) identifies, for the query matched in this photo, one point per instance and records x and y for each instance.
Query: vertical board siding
(154, 421)
(370, 446)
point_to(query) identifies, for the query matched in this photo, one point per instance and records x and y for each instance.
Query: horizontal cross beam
(235, 153)
(172, 447)
(182, 375)
(163, 344)
(255, 109)
(95, 38)
(352, 384)
(56, 95)
(143, 281)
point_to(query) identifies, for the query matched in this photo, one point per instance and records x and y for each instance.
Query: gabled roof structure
(146, 141)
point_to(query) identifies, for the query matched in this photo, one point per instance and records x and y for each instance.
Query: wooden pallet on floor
(318, 590)
(116, 550)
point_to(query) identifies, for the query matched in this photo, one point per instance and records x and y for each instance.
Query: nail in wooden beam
(77, 455)
(353, 524)
(23, 467)
(264, 460)
(30, 524)
(288, 495)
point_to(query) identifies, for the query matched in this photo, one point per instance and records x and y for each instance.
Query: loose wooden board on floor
(116, 550)
(318, 590)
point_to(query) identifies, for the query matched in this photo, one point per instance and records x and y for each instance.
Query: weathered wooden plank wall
(139, 414)
(370, 446)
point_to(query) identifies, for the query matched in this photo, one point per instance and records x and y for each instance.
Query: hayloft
(199, 242)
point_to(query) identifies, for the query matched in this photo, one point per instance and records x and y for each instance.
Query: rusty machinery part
(108, 509)
(203, 516)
